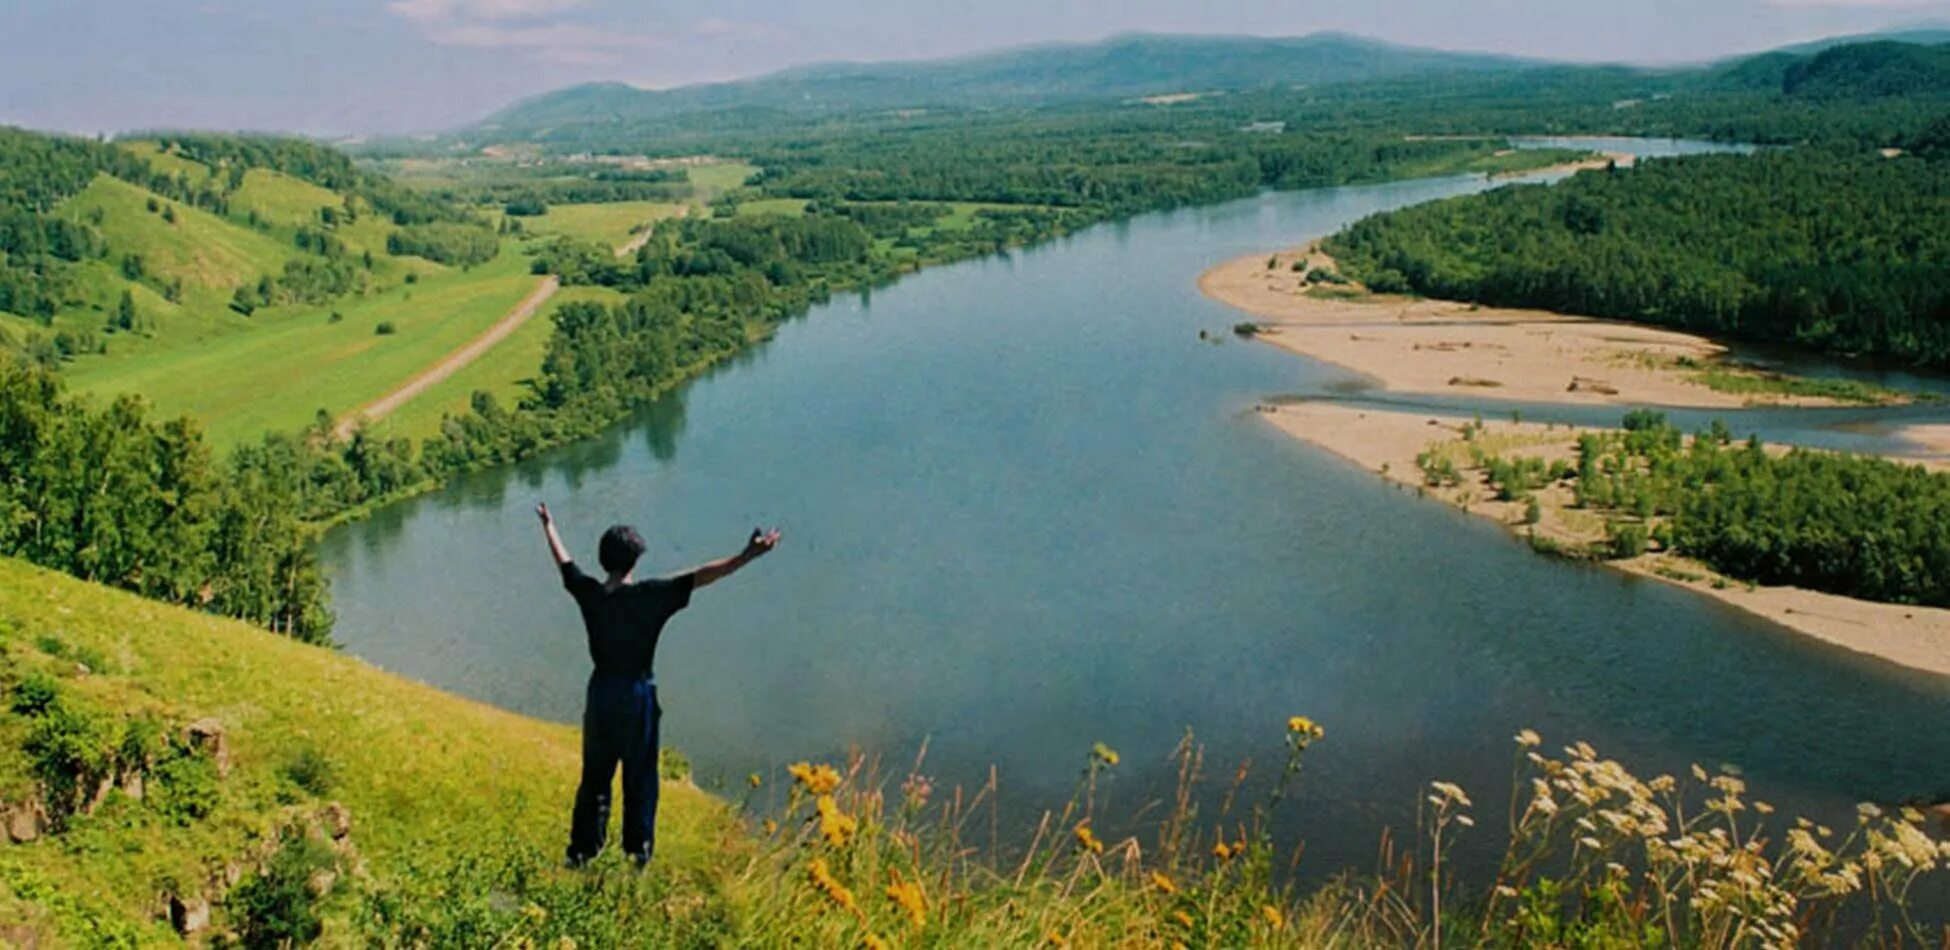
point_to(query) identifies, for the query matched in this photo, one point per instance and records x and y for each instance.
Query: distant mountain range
(1143, 65)
(1127, 66)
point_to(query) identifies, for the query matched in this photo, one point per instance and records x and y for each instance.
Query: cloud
(441, 11)
(533, 27)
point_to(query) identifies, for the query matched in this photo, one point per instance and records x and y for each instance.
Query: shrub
(311, 772)
(37, 695)
(1628, 539)
(186, 788)
(385, 328)
(277, 908)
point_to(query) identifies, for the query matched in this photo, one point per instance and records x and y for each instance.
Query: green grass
(289, 203)
(786, 207)
(503, 371)
(294, 361)
(429, 778)
(211, 255)
(1747, 382)
(610, 224)
(169, 163)
(719, 177)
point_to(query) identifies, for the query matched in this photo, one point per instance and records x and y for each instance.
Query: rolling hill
(1126, 66)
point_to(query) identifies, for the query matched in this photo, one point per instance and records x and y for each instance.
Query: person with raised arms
(623, 618)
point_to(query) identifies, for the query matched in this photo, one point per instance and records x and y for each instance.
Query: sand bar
(1441, 347)
(1388, 442)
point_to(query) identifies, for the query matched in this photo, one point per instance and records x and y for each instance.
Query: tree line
(1842, 251)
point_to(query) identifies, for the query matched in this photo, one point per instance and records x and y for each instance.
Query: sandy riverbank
(1600, 160)
(1388, 442)
(1433, 346)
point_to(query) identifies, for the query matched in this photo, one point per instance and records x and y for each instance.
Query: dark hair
(620, 548)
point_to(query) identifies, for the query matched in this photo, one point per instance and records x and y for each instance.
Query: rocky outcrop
(25, 821)
(206, 737)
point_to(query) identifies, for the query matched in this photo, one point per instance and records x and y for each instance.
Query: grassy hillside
(161, 768)
(294, 361)
(430, 780)
(211, 255)
(610, 224)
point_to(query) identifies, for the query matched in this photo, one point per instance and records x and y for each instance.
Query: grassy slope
(719, 177)
(210, 254)
(241, 384)
(610, 224)
(428, 776)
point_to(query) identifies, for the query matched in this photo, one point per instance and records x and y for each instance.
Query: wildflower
(1529, 739)
(835, 825)
(1104, 754)
(873, 943)
(818, 779)
(1056, 939)
(1222, 851)
(916, 790)
(1087, 839)
(566, 943)
(534, 912)
(754, 780)
(1163, 883)
(907, 894)
(824, 882)
(1506, 892)
(771, 827)
(1302, 726)
(1274, 918)
(1450, 792)
(1182, 918)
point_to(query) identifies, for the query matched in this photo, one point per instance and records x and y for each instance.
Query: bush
(1627, 539)
(311, 772)
(277, 908)
(37, 695)
(385, 328)
(186, 788)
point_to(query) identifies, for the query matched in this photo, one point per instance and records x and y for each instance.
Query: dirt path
(642, 237)
(383, 406)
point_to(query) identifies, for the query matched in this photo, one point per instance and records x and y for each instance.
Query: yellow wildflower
(754, 780)
(1104, 754)
(836, 826)
(818, 779)
(824, 882)
(1163, 882)
(907, 894)
(1183, 918)
(1087, 839)
(1302, 726)
(873, 943)
(1056, 939)
(1274, 918)
(566, 943)
(1222, 851)
(534, 912)
(771, 827)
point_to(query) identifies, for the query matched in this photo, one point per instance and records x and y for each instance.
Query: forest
(1845, 524)
(1844, 251)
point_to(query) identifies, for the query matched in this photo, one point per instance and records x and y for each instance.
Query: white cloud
(435, 11)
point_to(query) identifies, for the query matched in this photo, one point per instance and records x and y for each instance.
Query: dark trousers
(619, 725)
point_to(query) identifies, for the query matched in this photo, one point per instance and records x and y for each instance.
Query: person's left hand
(541, 511)
(761, 542)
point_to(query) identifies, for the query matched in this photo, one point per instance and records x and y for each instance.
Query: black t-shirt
(624, 623)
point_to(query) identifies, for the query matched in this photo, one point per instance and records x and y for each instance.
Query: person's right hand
(541, 511)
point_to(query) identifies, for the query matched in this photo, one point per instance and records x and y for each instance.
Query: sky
(342, 67)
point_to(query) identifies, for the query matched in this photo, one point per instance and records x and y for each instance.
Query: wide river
(1027, 509)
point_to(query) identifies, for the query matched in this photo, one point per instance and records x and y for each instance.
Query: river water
(1027, 509)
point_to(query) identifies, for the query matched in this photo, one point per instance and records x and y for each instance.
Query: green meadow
(611, 223)
(295, 361)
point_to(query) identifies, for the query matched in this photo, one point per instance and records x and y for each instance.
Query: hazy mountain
(1120, 67)
(1854, 70)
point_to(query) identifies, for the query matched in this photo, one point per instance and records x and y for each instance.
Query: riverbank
(1390, 442)
(1417, 345)
(1604, 159)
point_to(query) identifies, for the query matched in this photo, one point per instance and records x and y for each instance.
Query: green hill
(1864, 70)
(1123, 66)
(104, 686)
